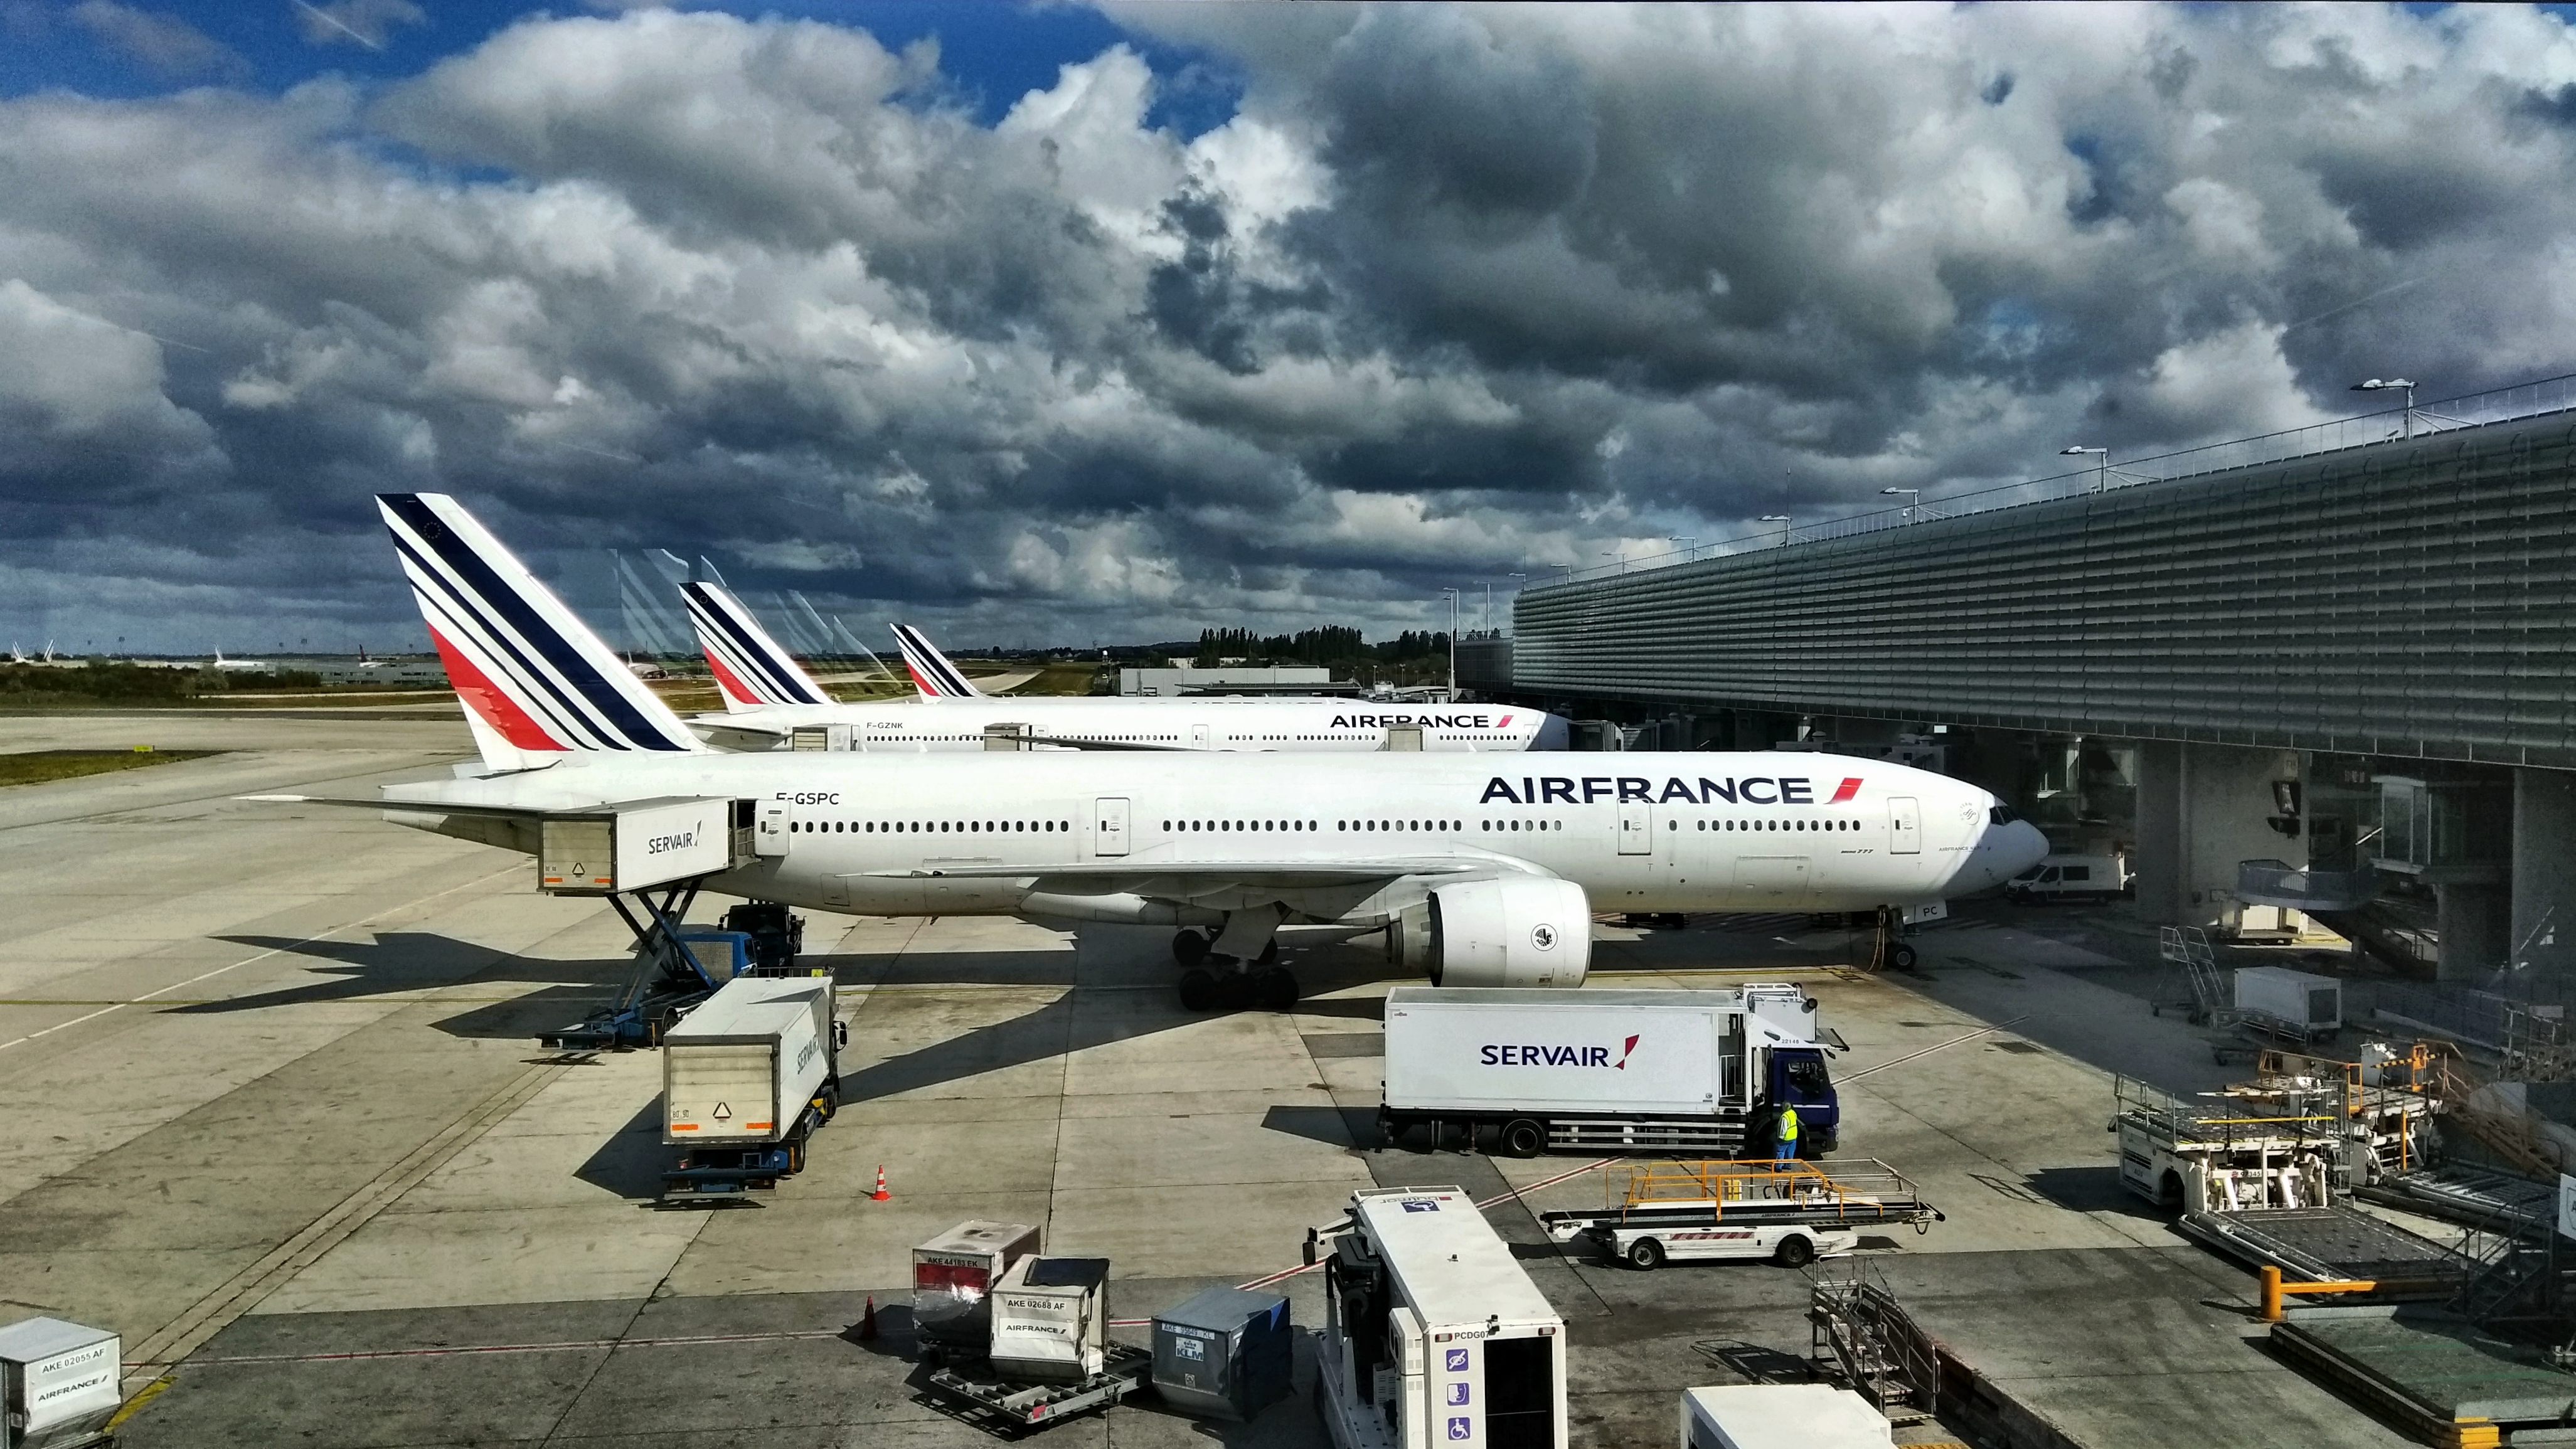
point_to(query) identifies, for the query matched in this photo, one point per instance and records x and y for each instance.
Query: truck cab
(1798, 1077)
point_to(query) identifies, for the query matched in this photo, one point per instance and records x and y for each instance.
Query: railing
(1832, 1184)
(2277, 883)
(2507, 404)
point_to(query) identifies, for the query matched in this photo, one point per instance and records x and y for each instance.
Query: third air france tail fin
(536, 682)
(751, 668)
(932, 674)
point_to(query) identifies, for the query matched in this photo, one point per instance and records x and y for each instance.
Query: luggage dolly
(1014, 1409)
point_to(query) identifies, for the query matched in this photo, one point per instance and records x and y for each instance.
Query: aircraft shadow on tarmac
(402, 961)
(1080, 1019)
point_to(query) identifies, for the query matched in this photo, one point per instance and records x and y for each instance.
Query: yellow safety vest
(1788, 1124)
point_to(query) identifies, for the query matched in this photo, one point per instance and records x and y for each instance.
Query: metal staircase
(1862, 1338)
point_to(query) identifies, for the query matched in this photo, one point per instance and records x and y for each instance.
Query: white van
(2071, 878)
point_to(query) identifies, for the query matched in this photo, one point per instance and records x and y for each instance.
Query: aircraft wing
(736, 733)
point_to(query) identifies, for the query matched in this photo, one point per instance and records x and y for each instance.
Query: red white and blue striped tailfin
(931, 672)
(752, 669)
(536, 682)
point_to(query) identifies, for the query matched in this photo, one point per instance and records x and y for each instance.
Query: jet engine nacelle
(1516, 931)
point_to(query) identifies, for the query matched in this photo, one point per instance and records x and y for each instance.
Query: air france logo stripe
(1844, 792)
(930, 669)
(724, 624)
(506, 618)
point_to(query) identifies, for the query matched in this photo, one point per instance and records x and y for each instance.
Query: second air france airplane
(1481, 870)
(770, 700)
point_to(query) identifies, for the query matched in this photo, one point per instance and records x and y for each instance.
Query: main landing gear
(1217, 982)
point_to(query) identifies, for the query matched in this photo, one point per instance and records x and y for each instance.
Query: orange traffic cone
(881, 1195)
(868, 1321)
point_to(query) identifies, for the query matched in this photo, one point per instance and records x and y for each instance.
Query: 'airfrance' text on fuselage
(1632, 789)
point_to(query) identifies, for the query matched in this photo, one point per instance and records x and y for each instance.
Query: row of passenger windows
(1802, 823)
(924, 827)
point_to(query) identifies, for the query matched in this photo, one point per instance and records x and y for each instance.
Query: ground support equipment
(1018, 1408)
(1791, 1212)
(667, 981)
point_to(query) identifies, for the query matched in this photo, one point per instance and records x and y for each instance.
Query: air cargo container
(2289, 1003)
(1433, 1332)
(952, 1284)
(1226, 1353)
(1782, 1416)
(1049, 1320)
(1594, 1070)
(746, 1078)
(58, 1384)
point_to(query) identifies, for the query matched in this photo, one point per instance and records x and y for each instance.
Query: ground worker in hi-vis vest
(1788, 1135)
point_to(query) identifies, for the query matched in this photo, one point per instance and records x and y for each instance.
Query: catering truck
(1594, 1070)
(746, 1078)
(1433, 1332)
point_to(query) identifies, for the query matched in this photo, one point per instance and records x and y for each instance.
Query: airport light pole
(2101, 471)
(1519, 581)
(1910, 495)
(2406, 420)
(1781, 519)
(1454, 595)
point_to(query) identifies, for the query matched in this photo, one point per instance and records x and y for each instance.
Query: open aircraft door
(1109, 827)
(1904, 827)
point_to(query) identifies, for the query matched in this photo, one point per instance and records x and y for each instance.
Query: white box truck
(746, 1078)
(1782, 1416)
(1594, 1070)
(58, 1383)
(1433, 1332)
(2290, 1003)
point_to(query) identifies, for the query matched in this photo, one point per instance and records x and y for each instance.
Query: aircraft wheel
(1901, 956)
(1189, 948)
(1234, 991)
(1795, 1251)
(1278, 989)
(1646, 1253)
(1198, 989)
(1270, 953)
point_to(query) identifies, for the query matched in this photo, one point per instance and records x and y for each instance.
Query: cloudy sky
(1071, 325)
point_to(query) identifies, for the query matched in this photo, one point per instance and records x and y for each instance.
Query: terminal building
(2329, 672)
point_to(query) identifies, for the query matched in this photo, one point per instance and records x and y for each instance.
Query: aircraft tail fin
(752, 668)
(931, 672)
(536, 682)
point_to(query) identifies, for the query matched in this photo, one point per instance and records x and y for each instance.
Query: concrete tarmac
(277, 1116)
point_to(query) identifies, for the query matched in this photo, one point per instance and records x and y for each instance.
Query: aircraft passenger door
(1904, 827)
(769, 835)
(1198, 737)
(1109, 827)
(1636, 830)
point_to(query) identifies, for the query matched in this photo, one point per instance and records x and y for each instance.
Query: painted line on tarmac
(1927, 1051)
(262, 956)
(573, 1345)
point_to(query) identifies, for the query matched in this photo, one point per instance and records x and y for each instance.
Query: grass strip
(34, 767)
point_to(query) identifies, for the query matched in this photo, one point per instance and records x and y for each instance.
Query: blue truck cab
(1798, 1078)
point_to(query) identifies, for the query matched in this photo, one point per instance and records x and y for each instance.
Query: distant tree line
(1413, 657)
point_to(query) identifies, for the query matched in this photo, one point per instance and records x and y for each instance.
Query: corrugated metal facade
(2406, 598)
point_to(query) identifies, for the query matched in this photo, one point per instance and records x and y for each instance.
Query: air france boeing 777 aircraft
(768, 695)
(1482, 872)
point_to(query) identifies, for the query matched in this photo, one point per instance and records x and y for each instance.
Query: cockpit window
(2003, 814)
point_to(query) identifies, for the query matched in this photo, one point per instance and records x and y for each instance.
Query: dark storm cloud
(1456, 292)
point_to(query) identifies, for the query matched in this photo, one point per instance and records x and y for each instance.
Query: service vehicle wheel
(1522, 1137)
(1795, 1251)
(1198, 989)
(1901, 957)
(1646, 1253)
(1278, 989)
(1189, 948)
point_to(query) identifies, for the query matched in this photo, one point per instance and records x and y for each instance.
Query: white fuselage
(1222, 722)
(1639, 832)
